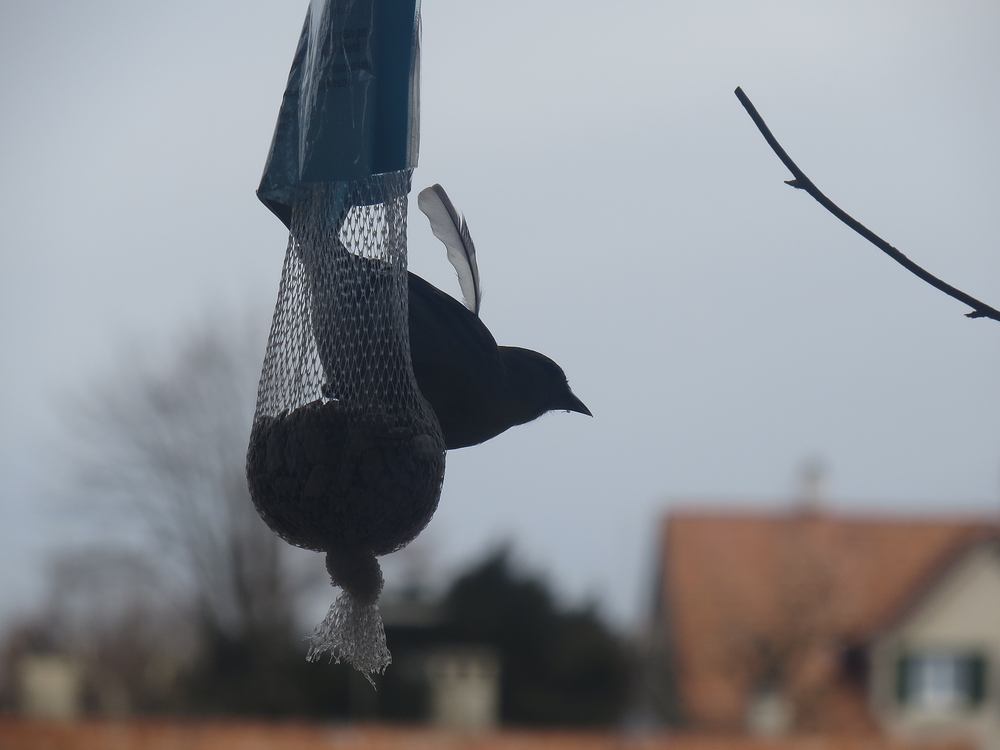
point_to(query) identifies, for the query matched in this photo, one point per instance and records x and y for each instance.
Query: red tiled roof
(735, 584)
(257, 735)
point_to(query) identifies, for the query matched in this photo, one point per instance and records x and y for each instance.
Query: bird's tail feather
(452, 229)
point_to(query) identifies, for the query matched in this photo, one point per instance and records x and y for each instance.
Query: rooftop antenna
(812, 485)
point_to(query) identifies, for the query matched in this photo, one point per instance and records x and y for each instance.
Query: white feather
(453, 231)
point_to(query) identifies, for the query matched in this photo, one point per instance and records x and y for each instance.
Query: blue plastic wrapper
(351, 108)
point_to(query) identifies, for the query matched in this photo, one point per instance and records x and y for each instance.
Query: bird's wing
(453, 231)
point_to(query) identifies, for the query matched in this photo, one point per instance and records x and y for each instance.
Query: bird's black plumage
(476, 388)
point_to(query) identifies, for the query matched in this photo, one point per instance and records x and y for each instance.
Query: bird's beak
(575, 404)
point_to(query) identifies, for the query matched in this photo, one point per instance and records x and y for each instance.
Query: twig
(979, 309)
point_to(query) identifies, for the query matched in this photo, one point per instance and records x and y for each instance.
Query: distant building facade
(936, 667)
(806, 621)
(465, 687)
(49, 686)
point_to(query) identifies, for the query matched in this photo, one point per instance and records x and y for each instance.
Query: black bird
(476, 388)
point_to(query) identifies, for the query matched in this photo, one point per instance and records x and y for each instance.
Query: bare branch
(164, 444)
(979, 309)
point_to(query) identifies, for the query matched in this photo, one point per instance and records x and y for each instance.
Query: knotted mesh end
(353, 633)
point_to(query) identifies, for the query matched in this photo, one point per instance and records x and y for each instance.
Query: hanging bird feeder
(346, 456)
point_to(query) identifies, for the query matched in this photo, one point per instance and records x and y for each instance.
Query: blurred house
(808, 621)
(49, 686)
(451, 685)
(465, 687)
(499, 649)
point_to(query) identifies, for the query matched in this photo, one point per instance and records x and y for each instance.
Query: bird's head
(537, 385)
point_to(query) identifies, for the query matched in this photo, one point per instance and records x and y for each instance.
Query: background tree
(559, 666)
(160, 464)
(189, 604)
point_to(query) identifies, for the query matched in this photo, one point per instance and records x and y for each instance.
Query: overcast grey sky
(630, 222)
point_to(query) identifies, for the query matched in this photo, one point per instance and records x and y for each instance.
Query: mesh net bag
(346, 457)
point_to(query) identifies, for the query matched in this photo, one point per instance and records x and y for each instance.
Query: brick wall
(18, 734)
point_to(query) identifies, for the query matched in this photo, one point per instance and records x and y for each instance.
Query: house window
(941, 680)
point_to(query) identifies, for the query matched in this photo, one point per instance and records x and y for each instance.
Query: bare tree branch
(979, 309)
(165, 443)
